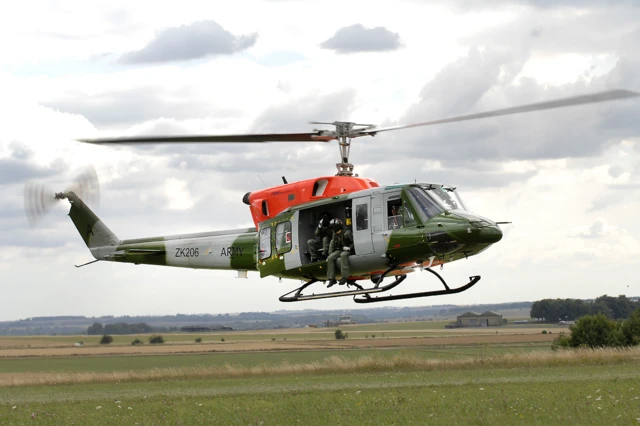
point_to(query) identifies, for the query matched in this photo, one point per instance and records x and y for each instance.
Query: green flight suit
(322, 239)
(338, 242)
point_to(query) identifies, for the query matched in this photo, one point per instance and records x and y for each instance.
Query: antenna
(265, 185)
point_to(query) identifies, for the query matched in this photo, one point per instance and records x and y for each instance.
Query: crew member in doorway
(340, 247)
(321, 240)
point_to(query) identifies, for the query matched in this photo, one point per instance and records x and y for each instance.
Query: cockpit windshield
(425, 205)
(446, 196)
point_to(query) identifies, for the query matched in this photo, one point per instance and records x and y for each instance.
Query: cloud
(127, 107)
(197, 40)
(598, 229)
(615, 171)
(20, 167)
(485, 80)
(357, 38)
(602, 30)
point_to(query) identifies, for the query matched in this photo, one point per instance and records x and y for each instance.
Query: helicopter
(396, 229)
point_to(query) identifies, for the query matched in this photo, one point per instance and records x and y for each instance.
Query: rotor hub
(345, 131)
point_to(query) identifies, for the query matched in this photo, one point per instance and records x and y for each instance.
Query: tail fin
(92, 230)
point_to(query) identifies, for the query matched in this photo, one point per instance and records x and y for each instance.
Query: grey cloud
(197, 40)
(146, 201)
(474, 5)
(272, 159)
(128, 107)
(597, 230)
(471, 175)
(14, 227)
(601, 30)
(14, 170)
(295, 116)
(615, 171)
(608, 199)
(19, 167)
(357, 38)
(485, 81)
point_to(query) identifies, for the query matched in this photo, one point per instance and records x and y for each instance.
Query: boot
(343, 281)
(332, 282)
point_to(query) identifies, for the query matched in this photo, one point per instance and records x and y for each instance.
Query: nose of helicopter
(478, 232)
(489, 235)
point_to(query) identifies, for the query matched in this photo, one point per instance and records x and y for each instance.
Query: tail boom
(226, 250)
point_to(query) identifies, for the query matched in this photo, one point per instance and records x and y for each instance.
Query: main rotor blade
(267, 137)
(558, 103)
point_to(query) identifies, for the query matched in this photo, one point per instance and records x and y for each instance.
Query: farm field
(268, 345)
(367, 331)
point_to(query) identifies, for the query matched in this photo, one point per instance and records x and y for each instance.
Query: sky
(569, 179)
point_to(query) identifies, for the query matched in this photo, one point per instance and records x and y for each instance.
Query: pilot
(322, 239)
(341, 247)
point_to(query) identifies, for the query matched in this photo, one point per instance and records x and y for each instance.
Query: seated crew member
(340, 247)
(322, 239)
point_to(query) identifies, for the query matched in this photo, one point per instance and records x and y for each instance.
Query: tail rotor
(39, 198)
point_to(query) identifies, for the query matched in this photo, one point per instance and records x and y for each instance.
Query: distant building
(474, 319)
(345, 319)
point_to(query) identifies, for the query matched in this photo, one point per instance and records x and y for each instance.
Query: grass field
(121, 363)
(412, 375)
(581, 388)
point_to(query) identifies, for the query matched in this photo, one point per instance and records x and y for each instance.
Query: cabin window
(283, 237)
(265, 243)
(362, 217)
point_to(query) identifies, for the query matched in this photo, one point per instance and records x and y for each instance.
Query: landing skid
(365, 293)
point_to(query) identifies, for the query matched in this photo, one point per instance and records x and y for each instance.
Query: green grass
(584, 393)
(103, 364)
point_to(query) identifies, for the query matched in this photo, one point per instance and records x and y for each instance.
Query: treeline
(119, 328)
(598, 331)
(554, 310)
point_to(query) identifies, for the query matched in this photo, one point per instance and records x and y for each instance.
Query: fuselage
(400, 226)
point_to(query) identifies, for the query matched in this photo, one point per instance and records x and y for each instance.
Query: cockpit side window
(408, 217)
(394, 213)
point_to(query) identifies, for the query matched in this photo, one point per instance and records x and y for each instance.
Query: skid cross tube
(472, 281)
(298, 296)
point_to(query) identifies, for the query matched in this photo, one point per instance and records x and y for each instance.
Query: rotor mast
(345, 131)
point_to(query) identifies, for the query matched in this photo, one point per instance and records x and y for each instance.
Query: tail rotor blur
(39, 198)
(87, 187)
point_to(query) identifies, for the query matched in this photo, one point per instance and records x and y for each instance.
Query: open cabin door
(362, 238)
(276, 244)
